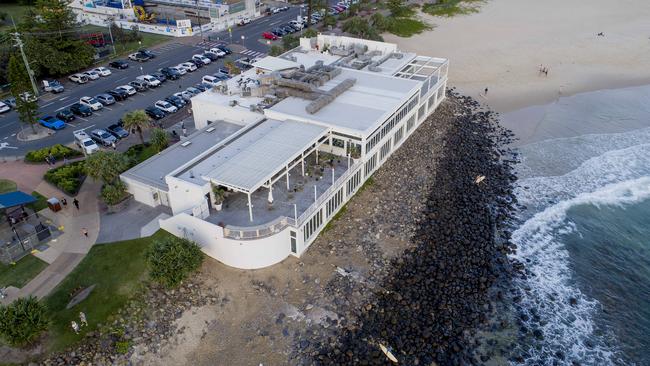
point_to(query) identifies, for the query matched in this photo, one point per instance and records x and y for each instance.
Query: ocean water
(584, 234)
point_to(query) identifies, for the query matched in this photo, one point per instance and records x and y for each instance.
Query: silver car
(103, 137)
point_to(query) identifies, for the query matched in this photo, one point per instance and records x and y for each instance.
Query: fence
(260, 231)
(23, 237)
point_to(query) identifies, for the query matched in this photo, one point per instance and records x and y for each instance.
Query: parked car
(65, 115)
(203, 86)
(102, 71)
(222, 71)
(103, 137)
(119, 64)
(160, 76)
(118, 94)
(269, 35)
(198, 63)
(210, 80)
(147, 53)
(165, 106)
(117, 131)
(179, 69)
(218, 51)
(140, 57)
(189, 66)
(194, 91)
(154, 112)
(170, 73)
(275, 10)
(211, 56)
(11, 102)
(177, 101)
(151, 81)
(78, 78)
(202, 58)
(139, 85)
(284, 8)
(105, 99)
(224, 49)
(28, 97)
(4, 108)
(52, 122)
(92, 75)
(127, 88)
(53, 86)
(91, 102)
(85, 142)
(296, 24)
(278, 32)
(81, 110)
(185, 95)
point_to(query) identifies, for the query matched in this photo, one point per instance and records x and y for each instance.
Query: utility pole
(110, 33)
(19, 44)
(198, 18)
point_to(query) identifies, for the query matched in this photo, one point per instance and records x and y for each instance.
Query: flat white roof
(359, 110)
(251, 159)
(270, 63)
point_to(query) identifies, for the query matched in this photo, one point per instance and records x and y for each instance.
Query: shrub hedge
(58, 151)
(22, 321)
(67, 178)
(172, 259)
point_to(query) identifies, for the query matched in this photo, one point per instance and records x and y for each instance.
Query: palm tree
(137, 120)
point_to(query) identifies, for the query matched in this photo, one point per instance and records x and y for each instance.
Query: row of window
(399, 134)
(384, 150)
(391, 123)
(410, 123)
(370, 165)
(313, 224)
(353, 182)
(334, 203)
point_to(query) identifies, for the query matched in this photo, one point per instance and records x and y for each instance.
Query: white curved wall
(244, 254)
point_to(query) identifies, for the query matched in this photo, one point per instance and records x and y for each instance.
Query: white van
(210, 80)
(151, 81)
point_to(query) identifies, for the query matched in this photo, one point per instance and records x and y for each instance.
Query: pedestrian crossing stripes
(252, 53)
(169, 47)
(208, 44)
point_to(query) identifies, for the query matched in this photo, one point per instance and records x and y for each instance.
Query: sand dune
(502, 46)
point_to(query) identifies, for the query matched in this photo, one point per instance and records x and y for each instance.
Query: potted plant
(219, 196)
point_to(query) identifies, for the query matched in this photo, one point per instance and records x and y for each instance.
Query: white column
(287, 179)
(332, 176)
(348, 160)
(250, 207)
(302, 165)
(270, 198)
(315, 196)
(295, 213)
(317, 155)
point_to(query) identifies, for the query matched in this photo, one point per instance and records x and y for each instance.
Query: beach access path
(503, 45)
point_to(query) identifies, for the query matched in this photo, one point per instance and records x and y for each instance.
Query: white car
(128, 89)
(84, 141)
(92, 75)
(166, 106)
(151, 81)
(102, 71)
(78, 78)
(91, 102)
(217, 52)
(180, 69)
(4, 108)
(188, 66)
(201, 58)
(185, 95)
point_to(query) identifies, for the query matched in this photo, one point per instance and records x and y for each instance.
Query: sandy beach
(503, 45)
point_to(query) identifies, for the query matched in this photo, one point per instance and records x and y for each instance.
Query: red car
(269, 35)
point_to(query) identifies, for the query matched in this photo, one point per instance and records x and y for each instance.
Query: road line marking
(120, 79)
(48, 104)
(108, 108)
(85, 128)
(81, 118)
(64, 98)
(66, 106)
(99, 114)
(164, 62)
(6, 137)
(13, 134)
(70, 124)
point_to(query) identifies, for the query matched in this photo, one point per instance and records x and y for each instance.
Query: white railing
(259, 231)
(328, 193)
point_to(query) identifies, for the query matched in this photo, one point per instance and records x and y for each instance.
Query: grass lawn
(122, 49)
(41, 202)
(449, 8)
(406, 27)
(23, 271)
(119, 272)
(7, 185)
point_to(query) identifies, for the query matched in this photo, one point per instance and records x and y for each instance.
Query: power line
(19, 44)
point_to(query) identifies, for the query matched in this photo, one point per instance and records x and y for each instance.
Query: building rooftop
(153, 170)
(359, 109)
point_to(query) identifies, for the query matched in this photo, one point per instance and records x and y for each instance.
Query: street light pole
(198, 18)
(110, 33)
(19, 44)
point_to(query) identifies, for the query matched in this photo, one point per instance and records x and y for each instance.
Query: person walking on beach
(486, 90)
(84, 231)
(82, 319)
(75, 202)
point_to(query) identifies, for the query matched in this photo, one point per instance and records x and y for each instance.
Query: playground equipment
(142, 14)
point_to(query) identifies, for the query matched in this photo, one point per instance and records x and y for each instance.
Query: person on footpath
(84, 231)
(75, 326)
(64, 202)
(75, 202)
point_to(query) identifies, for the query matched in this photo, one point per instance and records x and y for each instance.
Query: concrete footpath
(66, 251)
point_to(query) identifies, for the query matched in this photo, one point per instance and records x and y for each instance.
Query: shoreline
(502, 46)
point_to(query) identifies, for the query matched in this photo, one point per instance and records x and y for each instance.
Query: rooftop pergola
(421, 68)
(264, 161)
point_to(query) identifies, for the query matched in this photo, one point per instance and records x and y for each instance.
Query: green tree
(113, 193)
(137, 120)
(380, 22)
(172, 259)
(290, 42)
(105, 166)
(159, 139)
(23, 321)
(310, 33)
(51, 42)
(276, 50)
(20, 84)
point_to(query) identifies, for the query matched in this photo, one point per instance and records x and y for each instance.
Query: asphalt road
(169, 54)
